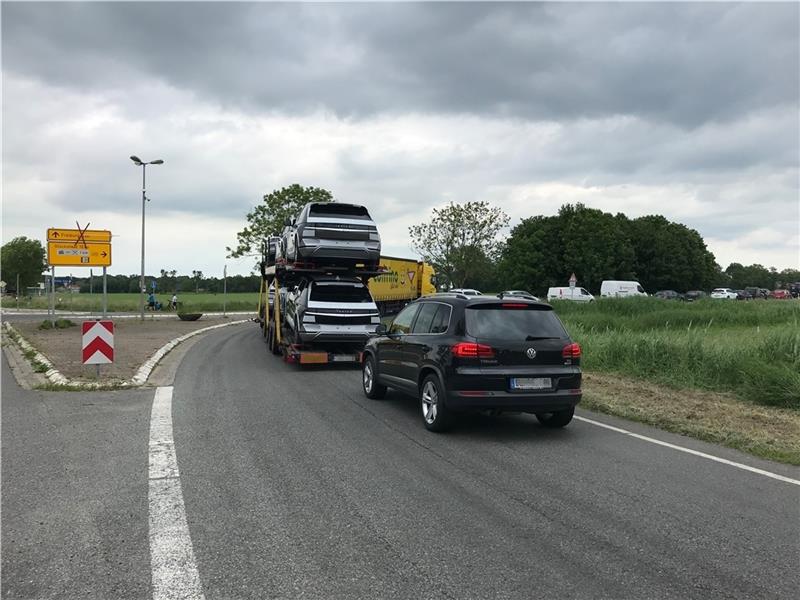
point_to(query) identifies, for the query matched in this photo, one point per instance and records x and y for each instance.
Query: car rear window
(512, 324)
(351, 211)
(337, 292)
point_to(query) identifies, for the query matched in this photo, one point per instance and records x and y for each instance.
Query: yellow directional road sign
(74, 235)
(68, 254)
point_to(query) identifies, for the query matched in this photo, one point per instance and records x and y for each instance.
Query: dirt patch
(134, 342)
(772, 433)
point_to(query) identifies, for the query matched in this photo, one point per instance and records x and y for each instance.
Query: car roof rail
(447, 295)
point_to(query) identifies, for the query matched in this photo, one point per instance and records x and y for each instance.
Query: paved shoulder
(74, 493)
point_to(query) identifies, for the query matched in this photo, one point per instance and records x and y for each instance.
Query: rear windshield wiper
(531, 338)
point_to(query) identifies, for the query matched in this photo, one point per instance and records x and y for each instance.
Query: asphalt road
(74, 493)
(295, 485)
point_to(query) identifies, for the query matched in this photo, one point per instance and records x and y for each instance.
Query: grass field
(749, 348)
(191, 302)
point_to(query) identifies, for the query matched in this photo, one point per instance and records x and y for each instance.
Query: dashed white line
(174, 571)
(690, 451)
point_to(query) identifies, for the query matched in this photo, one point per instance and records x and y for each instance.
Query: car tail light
(571, 351)
(472, 350)
(514, 305)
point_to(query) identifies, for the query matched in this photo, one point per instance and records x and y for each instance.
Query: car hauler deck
(316, 315)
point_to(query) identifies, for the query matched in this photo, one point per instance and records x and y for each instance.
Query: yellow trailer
(406, 279)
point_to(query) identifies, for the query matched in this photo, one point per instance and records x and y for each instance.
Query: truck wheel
(369, 381)
(271, 341)
(435, 413)
(557, 419)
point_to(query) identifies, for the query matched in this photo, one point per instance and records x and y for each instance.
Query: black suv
(461, 353)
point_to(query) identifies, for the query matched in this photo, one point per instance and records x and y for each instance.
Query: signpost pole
(17, 291)
(53, 296)
(105, 291)
(91, 290)
(224, 289)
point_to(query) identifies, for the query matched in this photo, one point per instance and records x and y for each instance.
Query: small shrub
(59, 324)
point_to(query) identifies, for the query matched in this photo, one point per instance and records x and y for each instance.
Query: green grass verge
(724, 419)
(749, 348)
(191, 302)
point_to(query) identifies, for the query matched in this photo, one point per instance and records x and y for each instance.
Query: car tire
(556, 419)
(369, 380)
(435, 414)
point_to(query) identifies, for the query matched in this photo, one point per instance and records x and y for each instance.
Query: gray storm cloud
(684, 64)
(406, 106)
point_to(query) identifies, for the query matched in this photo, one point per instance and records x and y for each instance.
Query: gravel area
(134, 342)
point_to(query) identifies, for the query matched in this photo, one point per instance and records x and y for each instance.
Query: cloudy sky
(685, 110)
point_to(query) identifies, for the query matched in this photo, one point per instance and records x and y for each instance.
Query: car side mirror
(287, 221)
(381, 329)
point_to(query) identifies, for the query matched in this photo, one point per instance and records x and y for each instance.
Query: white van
(576, 294)
(621, 289)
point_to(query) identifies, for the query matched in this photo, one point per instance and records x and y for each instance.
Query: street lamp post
(140, 163)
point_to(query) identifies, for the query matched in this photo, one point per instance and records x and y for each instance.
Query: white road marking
(174, 571)
(690, 451)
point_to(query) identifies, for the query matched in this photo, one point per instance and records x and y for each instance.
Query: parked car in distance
(780, 295)
(794, 289)
(459, 354)
(465, 291)
(576, 294)
(332, 233)
(757, 293)
(693, 295)
(621, 289)
(518, 294)
(668, 295)
(723, 294)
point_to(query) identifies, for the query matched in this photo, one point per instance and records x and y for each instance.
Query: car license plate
(531, 383)
(345, 358)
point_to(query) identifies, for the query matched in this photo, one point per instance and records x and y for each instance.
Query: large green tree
(459, 239)
(24, 257)
(532, 256)
(595, 246)
(268, 218)
(670, 255)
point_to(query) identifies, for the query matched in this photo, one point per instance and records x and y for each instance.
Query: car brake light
(472, 350)
(514, 305)
(571, 351)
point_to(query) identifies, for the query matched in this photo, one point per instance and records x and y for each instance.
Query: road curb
(55, 376)
(52, 374)
(140, 378)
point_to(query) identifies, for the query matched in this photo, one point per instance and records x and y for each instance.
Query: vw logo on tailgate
(531, 352)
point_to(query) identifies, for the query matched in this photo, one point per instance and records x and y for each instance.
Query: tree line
(170, 282)
(464, 245)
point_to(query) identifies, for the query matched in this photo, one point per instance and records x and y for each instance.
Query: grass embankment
(191, 302)
(749, 348)
(725, 372)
